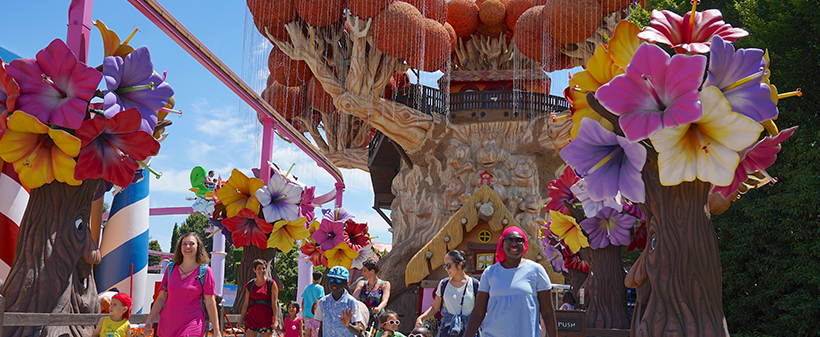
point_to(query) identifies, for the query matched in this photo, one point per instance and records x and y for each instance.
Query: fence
(430, 100)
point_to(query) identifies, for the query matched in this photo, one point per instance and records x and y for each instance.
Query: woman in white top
(458, 298)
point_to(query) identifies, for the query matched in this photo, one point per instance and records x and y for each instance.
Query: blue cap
(339, 272)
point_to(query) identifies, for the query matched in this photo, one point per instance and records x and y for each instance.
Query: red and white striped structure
(13, 201)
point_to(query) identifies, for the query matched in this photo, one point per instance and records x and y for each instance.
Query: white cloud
(175, 181)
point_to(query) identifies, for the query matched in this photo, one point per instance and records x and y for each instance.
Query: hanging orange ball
(493, 31)
(532, 39)
(572, 21)
(463, 16)
(452, 32)
(492, 12)
(273, 15)
(287, 71)
(431, 9)
(321, 13)
(399, 30)
(287, 101)
(436, 50)
(366, 9)
(514, 10)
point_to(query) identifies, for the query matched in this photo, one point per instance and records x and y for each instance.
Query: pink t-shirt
(312, 325)
(183, 315)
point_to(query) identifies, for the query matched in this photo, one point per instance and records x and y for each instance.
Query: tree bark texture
(245, 273)
(607, 307)
(678, 275)
(51, 272)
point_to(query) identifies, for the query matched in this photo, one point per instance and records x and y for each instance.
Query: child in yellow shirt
(116, 324)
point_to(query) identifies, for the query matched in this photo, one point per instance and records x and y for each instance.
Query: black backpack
(268, 283)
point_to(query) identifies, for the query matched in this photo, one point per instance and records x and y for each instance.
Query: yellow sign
(485, 236)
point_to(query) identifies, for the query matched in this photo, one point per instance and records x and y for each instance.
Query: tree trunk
(680, 290)
(51, 271)
(606, 290)
(244, 272)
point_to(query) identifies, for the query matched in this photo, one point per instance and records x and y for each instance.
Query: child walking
(312, 325)
(293, 323)
(116, 324)
(389, 321)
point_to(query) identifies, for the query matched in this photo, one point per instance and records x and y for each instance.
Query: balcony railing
(430, 100)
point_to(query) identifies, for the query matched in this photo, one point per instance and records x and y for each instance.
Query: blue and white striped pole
(125, 243)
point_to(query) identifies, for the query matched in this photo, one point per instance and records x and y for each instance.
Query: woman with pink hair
(512, 293)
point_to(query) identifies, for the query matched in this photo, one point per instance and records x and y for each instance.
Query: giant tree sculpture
(357, 50)
(662, 137)
(64, 148)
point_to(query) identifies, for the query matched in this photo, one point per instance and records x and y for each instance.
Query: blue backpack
(202, 268)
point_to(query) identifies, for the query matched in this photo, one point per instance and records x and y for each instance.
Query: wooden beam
(2, 311)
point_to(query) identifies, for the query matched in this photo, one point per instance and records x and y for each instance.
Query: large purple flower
(608, 227)
(655, 91)
(279, 199)
(592, 207)
(330, 234)
(132, 83)
(608, 162)
(556, 258)
(55, 87)
(337, 214)
(739, 74)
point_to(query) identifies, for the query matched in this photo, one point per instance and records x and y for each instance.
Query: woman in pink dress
(181, 292)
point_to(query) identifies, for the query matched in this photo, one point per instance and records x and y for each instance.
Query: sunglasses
(519, 241)
(393, 322)
(447, 265)
(416, 335)
(335, 280)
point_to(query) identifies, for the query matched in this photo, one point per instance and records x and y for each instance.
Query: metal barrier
(430, 100)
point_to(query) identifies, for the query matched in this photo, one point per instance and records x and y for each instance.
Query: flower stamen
(692, 16)
(135, 88)
(617, 151)
(53, 85)
(178, 112)
(131, 36)
(798, 93)
(746, 79)
(33, 154)
(704, 145)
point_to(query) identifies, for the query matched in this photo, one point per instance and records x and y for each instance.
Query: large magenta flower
(656, 91)
(559, 191)
(608, 162)
(739, 76)
(132, 83)
(330, 234)
(111, 148)
(248, 229)
(306, 206)
(689, 35)
(54, 86)
(608, 227)
(757, 158)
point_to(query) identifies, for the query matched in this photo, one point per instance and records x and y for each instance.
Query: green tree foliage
(198, 223)
(154, 260)
(287, 267)
(174, 237)
(769, 247)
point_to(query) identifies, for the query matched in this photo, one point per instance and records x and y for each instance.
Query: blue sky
(217, 130)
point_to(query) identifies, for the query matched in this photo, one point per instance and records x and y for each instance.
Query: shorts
(261, 330)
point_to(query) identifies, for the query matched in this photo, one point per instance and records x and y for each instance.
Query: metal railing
(430, 100)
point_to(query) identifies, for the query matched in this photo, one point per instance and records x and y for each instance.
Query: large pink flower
(757, 157)
(689, 36)
(559, 191)
(656, 91)
(330, 234)
(55, 87)
(248, 229)
(112, 147)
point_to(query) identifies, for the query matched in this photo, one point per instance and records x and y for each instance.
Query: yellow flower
(708, 148)
(624, 44)
(286, 233)
(341, 255)
(567, 229)
(313, 226)
(599, 70)
(39, 154)
(239, 192)
(111, 41)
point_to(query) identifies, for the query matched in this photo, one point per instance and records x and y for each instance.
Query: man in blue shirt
(338, 311)
(313, 292)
